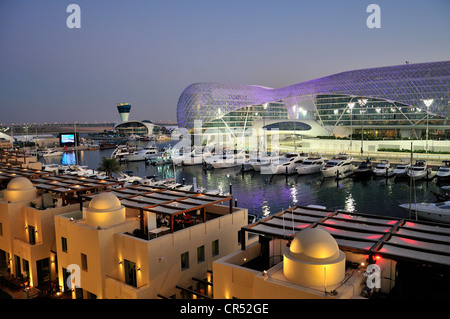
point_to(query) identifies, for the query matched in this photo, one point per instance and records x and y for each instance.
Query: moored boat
(443, 172)
(383, 169)
(419, 170)
(339, 166)
(437, 212)
(311, 165)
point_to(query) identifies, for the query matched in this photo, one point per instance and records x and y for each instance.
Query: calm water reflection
(264, 194)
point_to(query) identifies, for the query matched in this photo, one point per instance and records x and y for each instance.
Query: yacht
(364, 169)
(311, 165)
(234, 159)
(79, 170)
(48, 153)
(286, 164)
(51, 168)
(148, 152)
(401, 170)
(270, 166)
(192, 158)
(419, 170)
(260, 161)
(122, 151)
(339, 166)
(444, 171)
(383, 169)
(437, 212)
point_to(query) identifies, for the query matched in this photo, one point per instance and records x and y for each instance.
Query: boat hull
(429, 212)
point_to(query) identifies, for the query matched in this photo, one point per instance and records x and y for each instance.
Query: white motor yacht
(419, 170)
(148, 152)
(401, 170)
(383, 169)
(311, 165)
(48, 153)
(444, 171)
(234, 159)
(80, 170)
(437, 212)
(339, 166)
(269, 168)
(122, 151)
(286, 167)
(51, 168)
(193, 158)
(258, 162)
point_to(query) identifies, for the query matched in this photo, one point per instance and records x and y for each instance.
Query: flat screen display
(67, 138)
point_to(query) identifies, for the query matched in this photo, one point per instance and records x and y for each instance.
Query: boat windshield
(444, 169)
(418, 168)
(331, 163)
(444, 205)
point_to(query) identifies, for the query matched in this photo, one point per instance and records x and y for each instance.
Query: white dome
(312, 254)
(314, 243)
(105, 210)
(20, 189)
(104, 202)
(20, 183)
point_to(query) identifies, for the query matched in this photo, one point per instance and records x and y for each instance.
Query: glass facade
(387, 99)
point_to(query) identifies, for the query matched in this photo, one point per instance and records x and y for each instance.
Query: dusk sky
(147, 52)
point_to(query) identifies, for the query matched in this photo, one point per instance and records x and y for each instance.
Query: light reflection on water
(264, 194)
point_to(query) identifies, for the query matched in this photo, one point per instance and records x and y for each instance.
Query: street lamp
(427, 103)
(351, 105)
(362, 102)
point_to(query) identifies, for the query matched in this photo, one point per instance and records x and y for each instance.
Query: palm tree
(109, 166)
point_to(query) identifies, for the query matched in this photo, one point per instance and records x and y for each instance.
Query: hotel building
(95, 238)
(403, 101)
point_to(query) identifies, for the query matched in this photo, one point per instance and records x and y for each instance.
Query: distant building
(393, 102)
(126, 127)
(124, 111)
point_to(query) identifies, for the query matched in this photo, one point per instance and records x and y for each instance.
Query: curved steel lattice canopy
(408, 84)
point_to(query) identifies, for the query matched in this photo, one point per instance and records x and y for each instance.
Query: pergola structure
(70, 185)
(9, 171)
(170, 203)
(372, 235)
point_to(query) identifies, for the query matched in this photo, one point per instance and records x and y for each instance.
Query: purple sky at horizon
(147, 52)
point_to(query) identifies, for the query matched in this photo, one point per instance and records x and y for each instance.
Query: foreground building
(401, 101)
(313, 253)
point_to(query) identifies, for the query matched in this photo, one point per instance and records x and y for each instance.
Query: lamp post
(427, 103)
(264, 124)
(350, 106)
(362, 102)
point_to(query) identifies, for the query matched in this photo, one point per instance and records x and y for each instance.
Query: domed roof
(104, 202)
(314, 243)
(20, 183)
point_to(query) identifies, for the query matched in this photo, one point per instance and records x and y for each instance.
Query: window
(130, 273)
(84, 265)
(31, 235)
(200, 254)
(64, 244)
(185, 260)
(215, 247)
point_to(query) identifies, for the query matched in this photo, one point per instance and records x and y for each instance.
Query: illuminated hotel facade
(404, 101)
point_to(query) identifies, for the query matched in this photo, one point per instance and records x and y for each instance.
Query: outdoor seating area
(174, 210)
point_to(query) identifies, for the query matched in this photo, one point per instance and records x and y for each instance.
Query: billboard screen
(67, 138)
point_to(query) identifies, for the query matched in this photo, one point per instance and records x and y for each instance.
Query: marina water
(264, 195)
